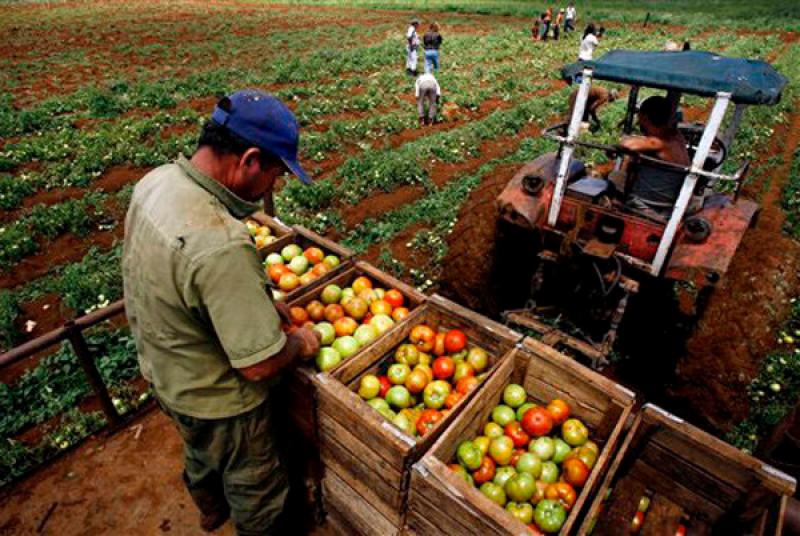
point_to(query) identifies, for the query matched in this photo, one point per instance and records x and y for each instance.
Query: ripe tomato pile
(429, 375)
(293, 267)
(262, 235)
(532, 460)
(350, 318)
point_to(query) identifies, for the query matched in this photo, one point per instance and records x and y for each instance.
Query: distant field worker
(547, 19)
(598, 97)
(427, 90)
(432, 41)
(412, 45)
(589, 43)
(557, 25)
(208, 337)
(570, 18)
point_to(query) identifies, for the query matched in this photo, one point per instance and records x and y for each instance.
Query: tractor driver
(655, 189)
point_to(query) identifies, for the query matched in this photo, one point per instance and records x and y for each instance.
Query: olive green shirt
(195, 293)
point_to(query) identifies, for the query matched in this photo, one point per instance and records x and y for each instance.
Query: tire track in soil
(743, 314)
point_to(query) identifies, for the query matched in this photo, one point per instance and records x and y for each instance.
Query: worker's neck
(213, 165)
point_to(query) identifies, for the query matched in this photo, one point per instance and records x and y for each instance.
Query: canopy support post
(569, 147)
(689, 183)
(627, 125)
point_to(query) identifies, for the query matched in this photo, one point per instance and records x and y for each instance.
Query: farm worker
(208, 337)
(598, 97)
(536, 29)
(432, 40)
(557, 25)
(427, 90)
(588, 43)
(570, 18)
(655, 189)
(547, 18)
(412, 44)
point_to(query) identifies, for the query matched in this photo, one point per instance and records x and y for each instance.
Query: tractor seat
(589, 188)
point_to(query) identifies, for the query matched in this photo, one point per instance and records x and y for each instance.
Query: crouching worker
(427, 90)
(208, 337)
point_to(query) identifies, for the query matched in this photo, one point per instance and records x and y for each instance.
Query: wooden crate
(280, 230)
(300, 389)
(440, 502)
(721, 489)
(305, 239)
(348, 513)
(364, 449)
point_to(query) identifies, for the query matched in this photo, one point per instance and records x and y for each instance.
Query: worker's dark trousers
(233, 463)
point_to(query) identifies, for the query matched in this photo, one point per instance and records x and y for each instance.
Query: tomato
(574, 432)
(275, 272)
(380, 307)
(517, 434)
(478, 359)
(423, 337)
(467, 453)
(559, 411)
(320, 269)
(502, 415)
(644, 503)
(427, 420)
(561, 450)
(435, 394)
(288, 282)
(460, 471)
(494, 492)
(298, 315)
(394, 298)
(443, 368)
(537, 422)
(538, 494)
(514, 395)
(523, 512)
(345, 326)
(681, 530)
(333, 312)
(427, 370)
(534, 530)
(524, 409)
(438, 344)
(563, 493)
(315, 310)
(585, 455)
(314, 255)
(500, 449)
(398, 373)
(465, 385)
(355, 307)
(452, 399)
(485, 472)
(520, 487)
(550, 515)
(455, 341)
(544, 447)
(482, 442)
(400, 313)
(385, 386)
(416, 381)
(492, 429)
(527, 462)
(361, 283)
(407, 354)
(463, 370)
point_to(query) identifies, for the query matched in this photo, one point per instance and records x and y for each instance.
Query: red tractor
(592, 239)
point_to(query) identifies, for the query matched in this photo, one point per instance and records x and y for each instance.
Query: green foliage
(9, 311)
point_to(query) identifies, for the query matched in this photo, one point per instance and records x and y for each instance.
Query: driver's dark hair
(658, 109)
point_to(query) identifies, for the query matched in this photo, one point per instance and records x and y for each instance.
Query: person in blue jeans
(432, 40)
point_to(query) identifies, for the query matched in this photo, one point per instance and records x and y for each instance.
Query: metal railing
(72, 331)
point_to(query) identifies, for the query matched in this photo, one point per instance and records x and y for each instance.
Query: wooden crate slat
(355, 511)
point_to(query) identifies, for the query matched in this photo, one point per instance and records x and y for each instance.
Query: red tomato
(443, 368)
(314, 255)
(276, 271)
(680, 531)
(535, 530)
(559, 411)
(575, 472)
(395, 298)
(423, 337)
(517, 434)
(452, 399)
(537, 422)
(637, 522)
(467, 384)
(438, 344)
(562, 493)
(427, 420)
(455, 341)
(515, 456)
(485, 472)
(385, 386)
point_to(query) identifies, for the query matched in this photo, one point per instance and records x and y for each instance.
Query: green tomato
(503, 474)
(514, 395)
(543, 447)
(549, 515)
(469, 455)
(494, 492)
(520, 487)
(503, 415)
(574, 432)
(399, 397)
(378, 404)
(549, 472)
(562, 449)
(327, 358)
(522, 511)
(530, 463)
(492, 430)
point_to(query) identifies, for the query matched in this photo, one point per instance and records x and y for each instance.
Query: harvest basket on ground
(671, 478)
(303, 239)
(277, 234)
(442, 502)
(300, 390)
(367, 458)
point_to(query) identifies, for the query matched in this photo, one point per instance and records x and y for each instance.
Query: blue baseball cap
(264, 121)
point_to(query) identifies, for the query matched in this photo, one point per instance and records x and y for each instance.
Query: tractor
(601, 248)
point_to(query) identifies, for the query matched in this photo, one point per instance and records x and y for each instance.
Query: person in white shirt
(588, 43)
(412, 44)
(570, 18)
(427, 89)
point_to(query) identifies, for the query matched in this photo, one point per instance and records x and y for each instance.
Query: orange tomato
(399, 314)
(423, 337)
(320, 269)
(316, 310)
(438, 345)
(288, 282)
(276, 271)
(416, 381)
(395, 298)
(575, 472)
(333, 312)
(361, 283)
(299, 315)
(561, 492)
(559, 411)
(466, 384)
(452, 399)
(314, 255)
(380, 307)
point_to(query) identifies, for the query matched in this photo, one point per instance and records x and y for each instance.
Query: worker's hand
(308, 342)
(283, 312)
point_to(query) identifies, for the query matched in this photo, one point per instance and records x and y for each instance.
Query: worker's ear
(250, 158)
